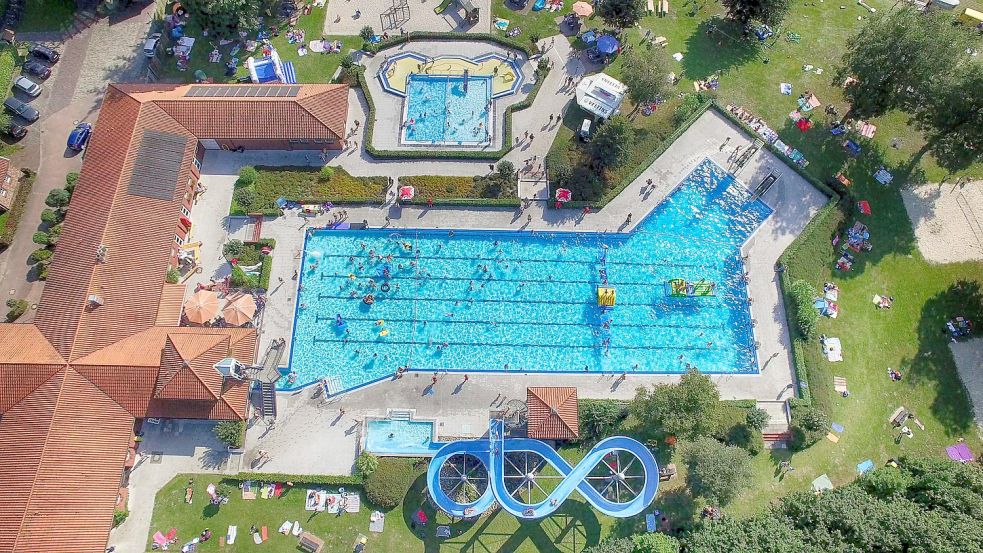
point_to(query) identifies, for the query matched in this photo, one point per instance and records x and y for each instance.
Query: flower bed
(306, 185)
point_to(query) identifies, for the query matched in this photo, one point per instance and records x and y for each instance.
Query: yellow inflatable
(385, 332)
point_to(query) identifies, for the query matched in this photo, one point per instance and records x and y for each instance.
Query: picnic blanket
(650, 522)
(316, 500)
(785, 88)
(377, 522)
(352, 503)
(502, 24)
(839, 384)
(866, 466)
(248, 492)
(833, 349)
(822, 482)
(230, 536)
(867, 130)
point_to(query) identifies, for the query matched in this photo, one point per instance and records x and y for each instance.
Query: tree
(715, 471)
(17, 307)
(172, 276)
(688, 409)
(233, 249)
(231, 433)
(50, 216)
(41, 238)
(70, 180)
(613, 545)
(58, 197)
(954, 122)
(621, 13)
(366, 33)
(769, 12)
(225, 18)
(655, 543)
(809, 425)
(647, 76)
(599, 418)
(613, 143)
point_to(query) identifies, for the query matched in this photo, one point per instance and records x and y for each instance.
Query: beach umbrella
(563, 195)
(607, 44)
(201, 307)
(588, 37)
(583, 9)
(239, 310)
(406, 193)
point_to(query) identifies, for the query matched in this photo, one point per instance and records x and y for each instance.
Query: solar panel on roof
(243, 91)
(157, 165)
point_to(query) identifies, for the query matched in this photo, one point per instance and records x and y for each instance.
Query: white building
(601, 95)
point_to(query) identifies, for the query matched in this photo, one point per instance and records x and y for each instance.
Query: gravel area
(948, 220)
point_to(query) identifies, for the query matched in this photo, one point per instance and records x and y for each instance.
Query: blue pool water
(527, 301)
(408, 437)
(441, 110)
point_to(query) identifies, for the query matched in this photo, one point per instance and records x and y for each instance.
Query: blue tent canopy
(588, 37)
(607, 44)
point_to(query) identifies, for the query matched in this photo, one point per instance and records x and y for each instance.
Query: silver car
(27, 86)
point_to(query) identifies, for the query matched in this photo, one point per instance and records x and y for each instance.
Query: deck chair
(230, 536)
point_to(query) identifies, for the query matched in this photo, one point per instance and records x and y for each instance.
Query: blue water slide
(491, 453)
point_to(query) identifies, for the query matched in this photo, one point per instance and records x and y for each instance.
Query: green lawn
(46, 15)
(311, 68)
(532, 23)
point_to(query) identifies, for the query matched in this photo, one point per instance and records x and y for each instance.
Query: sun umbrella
(563, 195)
(588, 37)
(607, 44)
(406, 193)
(583, 9)
(240, 310)
(201, 307)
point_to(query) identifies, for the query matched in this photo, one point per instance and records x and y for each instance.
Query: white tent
(601, 95)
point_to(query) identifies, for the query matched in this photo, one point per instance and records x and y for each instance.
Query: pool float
(351, 276)
(380, 322)
(369, 299)
(385, 332)
(384, 287)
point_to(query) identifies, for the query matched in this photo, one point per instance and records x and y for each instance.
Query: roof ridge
(98, 387)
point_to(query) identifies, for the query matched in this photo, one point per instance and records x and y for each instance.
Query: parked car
(150, 45)
(15, 106)
(27, 86)
(37, 69)
(43, 52)
(79, 136)
(14, 130)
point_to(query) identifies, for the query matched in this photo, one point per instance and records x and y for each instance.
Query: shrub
(390, 481)
(325, 174)
(265, 271)
(173, 276)
(245, 197)
(690, 105)
(366, 464)
(51, 216)
(58, 197)
(599, 418)
(11, 219)
(347, 61)
(233, 249)
(506, 170)
(40, 238)
(119, 515)
(757, 418)
(39, 255)
(231, 433)
(54, 233)
(655, 543)
(613, 143)
(612, 545)
(806, 316)
(70, 180)
(366, 33)
(247, 176)
(809, 425)
(746, 438)
(249, 256)
(558, 165)
(240, 279)
(17, 308)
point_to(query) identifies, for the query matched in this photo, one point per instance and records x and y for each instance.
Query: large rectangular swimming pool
(527, 301)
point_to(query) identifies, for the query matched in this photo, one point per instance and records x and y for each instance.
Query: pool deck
(311, 435)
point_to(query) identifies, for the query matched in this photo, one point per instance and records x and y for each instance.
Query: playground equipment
(622, 493)
(396, 15)
(679, 288)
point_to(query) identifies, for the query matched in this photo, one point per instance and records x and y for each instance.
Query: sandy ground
(969, 360)
(948, 220)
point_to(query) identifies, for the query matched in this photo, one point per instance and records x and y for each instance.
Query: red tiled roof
(27, 360)
(171, 304)
(72, 460)
(551, 413)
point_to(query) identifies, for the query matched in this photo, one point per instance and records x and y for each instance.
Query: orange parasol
(240, 310)
(583, 9)
(201, 307)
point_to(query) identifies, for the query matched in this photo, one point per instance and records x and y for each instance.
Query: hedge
(429, 36)
(264, 272)
(320, 479)
(388, 484)
(25, 182)
(445, 154)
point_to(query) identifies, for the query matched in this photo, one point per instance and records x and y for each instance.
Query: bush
(347, 61)
(245, 197)
(809, 425)
(558, 165)
(297, 479)
(17, 308)
(366, 33)
(231, 433)
(119, 515)
(715, 471)
(390, 481)
(265, 271)
(599, 418)
(58, 197)
(51, 216)
(806, 316)
(690, 105)
(366, 464)
(42, 271)
(612, 545)
(247, 176)
(655, 543)
(303, 185)
(757, 418)
(233, 249)
(70, 180)
(173, 276)
(746, 438)
(39, 255)
(613, 143)
(240, 279)
(54, 233)
(325, 174)
(40, 238)
(250, 256)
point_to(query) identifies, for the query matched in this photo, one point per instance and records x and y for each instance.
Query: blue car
(80, 135)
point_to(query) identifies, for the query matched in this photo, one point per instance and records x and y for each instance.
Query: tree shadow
(720, 50)
(934, 364)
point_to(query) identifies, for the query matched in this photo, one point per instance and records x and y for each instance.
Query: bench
(310, 543)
